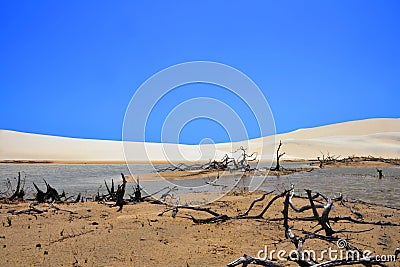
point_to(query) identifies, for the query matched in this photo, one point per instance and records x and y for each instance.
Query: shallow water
(88, 179)
(354, 183)
(72, 178)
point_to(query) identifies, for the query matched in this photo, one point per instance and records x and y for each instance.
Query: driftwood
(379, 173)
(297, 241)
(329, 160)
(265, 209)
(358, 214)
(78, 198)
(255, 201)
(217, 217)
(320, 211)
(64, 237)
(50, 195)
(138, 192)
(226, 163)
(230, 163)
(11, 194)
(32, 210)
(324, 221)
(246, 260)
(120, 194)
(19, 190)
(243, 161)
(111, 192)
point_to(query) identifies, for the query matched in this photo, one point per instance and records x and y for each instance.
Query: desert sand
(375, 137)
(97, 235)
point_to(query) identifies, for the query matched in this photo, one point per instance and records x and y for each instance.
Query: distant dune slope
(376, 137)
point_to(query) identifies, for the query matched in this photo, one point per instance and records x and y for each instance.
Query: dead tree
(379, 173)
(352, 159)
(40, 195)
(111, 192)
(138, 192)
(217, 217)
(175, 208)
(244, 159)
(120, 194)
(50, 195)
(331, 159)
(324, 203)
(278, 157)
(321, 162)
(255, 201)
(226, 161)
(78, 198)
(19, 191)
(304, 258)
(323, 220)
(241, 163)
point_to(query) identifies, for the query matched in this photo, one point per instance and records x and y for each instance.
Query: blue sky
(69, 68)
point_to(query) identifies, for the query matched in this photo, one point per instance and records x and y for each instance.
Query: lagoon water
(88, 179)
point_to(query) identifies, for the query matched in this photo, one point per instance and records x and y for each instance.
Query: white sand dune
(375, 137)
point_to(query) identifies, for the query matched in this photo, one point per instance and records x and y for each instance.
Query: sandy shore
(362, 164)
(96, 235)
(211, 174)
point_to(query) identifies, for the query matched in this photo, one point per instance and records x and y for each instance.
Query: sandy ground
(376, 137)
(181, 175)
(362, 164)
(97, 235)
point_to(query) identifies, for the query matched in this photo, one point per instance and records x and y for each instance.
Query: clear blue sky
(69, 68)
